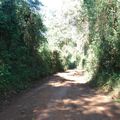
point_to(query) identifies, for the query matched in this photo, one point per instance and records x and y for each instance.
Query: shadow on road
(75, 100)
(66, 96)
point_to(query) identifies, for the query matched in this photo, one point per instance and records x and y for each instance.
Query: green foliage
(104, 40)
(21, 37)
(63, 31)
(117, 100)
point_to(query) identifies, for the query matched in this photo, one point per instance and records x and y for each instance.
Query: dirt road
(66, 96)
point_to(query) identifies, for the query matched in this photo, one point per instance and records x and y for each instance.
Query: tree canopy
(36, 42)
(23, 55)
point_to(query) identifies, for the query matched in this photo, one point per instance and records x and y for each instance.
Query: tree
(103, 48)
(21, 35)
(65, 31)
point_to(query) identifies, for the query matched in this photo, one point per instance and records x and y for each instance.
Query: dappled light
(58, 84)
(70, 76)
(75, 76)
(59, 59)
(80, 101)
(63, 99)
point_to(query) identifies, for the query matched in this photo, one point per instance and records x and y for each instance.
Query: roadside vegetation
(24, 55)
(35, 43)
(103, 46)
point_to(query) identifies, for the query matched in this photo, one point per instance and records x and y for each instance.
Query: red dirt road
(66, 96)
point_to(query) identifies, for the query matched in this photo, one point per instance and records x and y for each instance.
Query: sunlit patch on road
(75, 76)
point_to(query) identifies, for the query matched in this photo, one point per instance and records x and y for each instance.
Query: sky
(52, 4)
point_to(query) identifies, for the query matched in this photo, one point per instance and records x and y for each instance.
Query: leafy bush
(21, 37)
(103, 53)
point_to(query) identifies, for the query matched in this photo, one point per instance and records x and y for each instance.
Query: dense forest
(87, 34)
(103, 46)
(35, 44)
(24, 55)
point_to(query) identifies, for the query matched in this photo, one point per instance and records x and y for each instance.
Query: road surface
(65, 96)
